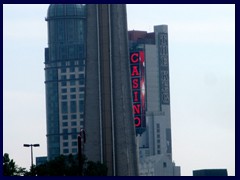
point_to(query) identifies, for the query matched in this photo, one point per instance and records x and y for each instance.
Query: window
(81, 96)
(81, 68)
(63, 70)
(64, 117)
(81, 76)
(63, 63)
(74, 150)
(72, 76)
(73, 96)
(81, 89)
(72, 69)
(73, 116)
(64, 97)
(74, 123)
(64, 107)
(72, 82)
(64, 124)
(74, 143)
(73, 107)
(74, 130)
(81, 116)
(63, 83)
(74, 136)
(63, 77)
(64, 90)
(164, 164)
(65, 151)
(65, 131)
(65, 144)
(72, 90)
(81, 81)
(65, 137)
(81, 106)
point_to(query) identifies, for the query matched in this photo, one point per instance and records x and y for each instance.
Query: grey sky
(202, 80)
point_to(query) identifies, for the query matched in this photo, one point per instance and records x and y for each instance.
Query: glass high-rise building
(65, 76)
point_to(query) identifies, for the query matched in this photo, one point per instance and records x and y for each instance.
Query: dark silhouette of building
(210, 172)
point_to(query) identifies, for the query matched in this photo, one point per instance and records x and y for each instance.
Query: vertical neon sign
(137, 64)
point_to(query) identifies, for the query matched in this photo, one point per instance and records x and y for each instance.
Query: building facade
(158, 165)
(154, 141)
(41, 160)
(65, 77)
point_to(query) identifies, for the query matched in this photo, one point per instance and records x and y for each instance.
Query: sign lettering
(137, 65)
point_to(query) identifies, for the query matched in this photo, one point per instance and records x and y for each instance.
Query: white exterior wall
(154, 140)
(152, 79)
(158, 165)
(78, 120)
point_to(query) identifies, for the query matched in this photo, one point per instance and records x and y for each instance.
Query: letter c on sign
(134, 57)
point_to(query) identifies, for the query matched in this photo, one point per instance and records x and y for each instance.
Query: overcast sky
(202, 80)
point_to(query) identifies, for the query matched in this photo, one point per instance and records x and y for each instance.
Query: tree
(10, 168)
(60, 166)
(95, 169)
(69, 166)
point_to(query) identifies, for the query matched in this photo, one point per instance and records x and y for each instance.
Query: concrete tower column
(109, 118)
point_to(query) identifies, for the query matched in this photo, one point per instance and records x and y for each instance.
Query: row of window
(67, 137)
(74, 143)
(73, 116)
(73, 82)
(73, 96)
(73, 69)
(72, 90)
(73, 106)
(66, 151)
(72, 76)
(73, 130)
(65, 124)
(64, 65)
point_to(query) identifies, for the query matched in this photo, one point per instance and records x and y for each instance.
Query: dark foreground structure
(210, 172)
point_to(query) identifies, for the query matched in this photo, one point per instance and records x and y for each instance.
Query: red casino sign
(137, 65)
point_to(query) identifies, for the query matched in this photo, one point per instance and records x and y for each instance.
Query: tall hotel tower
(88, 85)
(65, 77)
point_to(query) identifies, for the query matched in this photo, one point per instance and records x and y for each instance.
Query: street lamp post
(31, 145)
